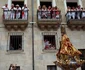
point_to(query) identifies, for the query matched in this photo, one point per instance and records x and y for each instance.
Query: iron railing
(15, 15)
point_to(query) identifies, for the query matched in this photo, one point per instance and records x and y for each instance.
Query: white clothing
(18, 12)
(25, 13)
(68, 15)
(78, 13)
(12, 13)
(44, 13)
(5, 9)
(83, 14)
(73, 14)
(39, 14)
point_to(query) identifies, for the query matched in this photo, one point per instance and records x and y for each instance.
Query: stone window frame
(52, 66)
(53, 2)
(56, 40)
(78, 1)
(8, 41)
(10, 2)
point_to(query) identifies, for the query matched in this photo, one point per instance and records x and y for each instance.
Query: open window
(72, 3)
(49, 41)
(15, 42)
(47, 4)
(20, 3)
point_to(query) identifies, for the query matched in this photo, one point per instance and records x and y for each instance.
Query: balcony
(12, 21)
(78, 22)
(48, 20)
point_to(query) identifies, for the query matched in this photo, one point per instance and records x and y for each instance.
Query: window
(49, 41)
(82, 57)
(14, 67)
(20, 3)
(15, 42)
(51, 3)
(17, 67)
(72, 3)
(47, 4)
(51, 67)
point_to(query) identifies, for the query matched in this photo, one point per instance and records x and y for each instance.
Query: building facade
(16, 34)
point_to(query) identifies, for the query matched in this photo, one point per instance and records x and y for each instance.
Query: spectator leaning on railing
(24, 12)
(5, 13)
(75, 13)
(18, 11)
(48, 13)
(15, 12)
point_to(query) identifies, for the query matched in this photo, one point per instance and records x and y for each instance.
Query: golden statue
(67, 47)
(68, 55)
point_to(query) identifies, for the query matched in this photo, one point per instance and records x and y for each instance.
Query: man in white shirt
(24, 12)
(5, 10)
(18, 10)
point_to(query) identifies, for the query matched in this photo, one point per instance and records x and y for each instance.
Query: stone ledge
(50, 51)
(15, 52)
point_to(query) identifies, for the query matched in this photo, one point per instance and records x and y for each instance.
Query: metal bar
(32, 5)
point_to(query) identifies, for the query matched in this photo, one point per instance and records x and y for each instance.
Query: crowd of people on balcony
(49, 45)
(48, 13)
(15, 12)
(75, 12)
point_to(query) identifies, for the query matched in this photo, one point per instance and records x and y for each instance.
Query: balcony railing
(13, 19)
(48, 19)
(76, 20)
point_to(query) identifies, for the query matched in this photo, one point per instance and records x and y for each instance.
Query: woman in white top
(44, 11)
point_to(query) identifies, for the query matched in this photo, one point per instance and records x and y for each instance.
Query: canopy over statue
(68, 56)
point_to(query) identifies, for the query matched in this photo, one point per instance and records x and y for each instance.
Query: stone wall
(42, 58)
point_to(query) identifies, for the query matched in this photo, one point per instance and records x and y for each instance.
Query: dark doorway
(72, 4)
(47, 4)
(20, 3)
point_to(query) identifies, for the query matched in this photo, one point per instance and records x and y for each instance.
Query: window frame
(10, 2)
(15, 33)
(53, 2)
(52, 66)
(56, 40)
(79, 2)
